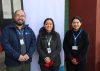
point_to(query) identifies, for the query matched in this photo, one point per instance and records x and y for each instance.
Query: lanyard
(21, 40)
(20, 32)
(76, 37)
(49, 40)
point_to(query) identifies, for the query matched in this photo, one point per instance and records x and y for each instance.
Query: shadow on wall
(98, 64)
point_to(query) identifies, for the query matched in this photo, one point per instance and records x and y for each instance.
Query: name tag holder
(21, 42)
(49, 50)
(75, 48)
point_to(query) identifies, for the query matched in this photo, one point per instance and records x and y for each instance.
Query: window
(7, 8)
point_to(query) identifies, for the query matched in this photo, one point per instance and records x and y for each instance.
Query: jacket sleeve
(40, 49)
(32, 44)
(7, 46)
(83, 51)
(66, 47)
(58, 48)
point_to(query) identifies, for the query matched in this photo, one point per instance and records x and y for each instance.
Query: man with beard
(19, 43)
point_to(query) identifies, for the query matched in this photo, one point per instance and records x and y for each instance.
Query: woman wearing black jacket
(49, 47)
(75, 46)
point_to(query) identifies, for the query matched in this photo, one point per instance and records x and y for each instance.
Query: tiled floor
(2, 66)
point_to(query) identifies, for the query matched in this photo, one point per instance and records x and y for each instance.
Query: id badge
(49, 50)
(21, 41)
(74, 47)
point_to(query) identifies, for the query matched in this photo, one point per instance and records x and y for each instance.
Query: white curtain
(36, 12)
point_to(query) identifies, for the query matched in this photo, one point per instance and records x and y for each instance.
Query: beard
(19, 22)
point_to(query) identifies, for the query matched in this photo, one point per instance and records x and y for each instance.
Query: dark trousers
(52, 68)
(72, 67)
(21, 67)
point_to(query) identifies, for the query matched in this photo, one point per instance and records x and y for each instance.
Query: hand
(74, 61)
(47, 59)
(21, 58)
(26, 57)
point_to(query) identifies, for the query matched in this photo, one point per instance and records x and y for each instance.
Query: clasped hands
(74, 61)
(47, 59)
(23, 58)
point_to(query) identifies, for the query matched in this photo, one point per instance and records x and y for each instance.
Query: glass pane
(16, 4)
(7, 13)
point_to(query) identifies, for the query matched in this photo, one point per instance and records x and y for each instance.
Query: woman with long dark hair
(75, 46)
(49, 47)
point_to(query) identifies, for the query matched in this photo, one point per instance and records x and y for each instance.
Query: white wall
(36, 12)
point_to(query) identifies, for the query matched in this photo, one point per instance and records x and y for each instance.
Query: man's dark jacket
(11, 44)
